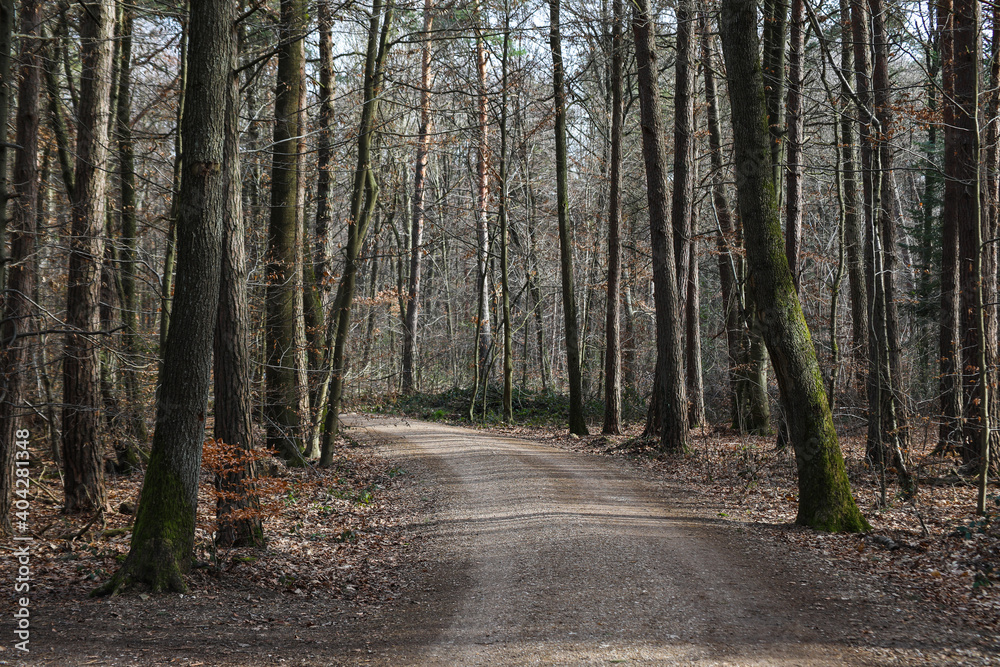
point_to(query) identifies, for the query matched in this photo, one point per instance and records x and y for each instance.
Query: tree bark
(84, 474)
(364, 192)
(962, 145)
(682, 204)
(949, 353)
(167, 281)
(132, 340)
(163, 534)
(794, 122)
(747, 362)
(16, 308)
(668, 405)
(237, 507)
(282, 394)
(853, 235)
(775, 27)
(485, 335)
(508, 355)
(417, 221)
(612, 327)
(577, 423)
(825, 500)
(887, 430)
(7, 20)
(324, 149)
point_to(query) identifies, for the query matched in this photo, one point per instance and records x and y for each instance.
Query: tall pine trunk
(949, 340)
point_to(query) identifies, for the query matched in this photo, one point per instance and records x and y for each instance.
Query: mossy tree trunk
(163, 535)
(825, 500)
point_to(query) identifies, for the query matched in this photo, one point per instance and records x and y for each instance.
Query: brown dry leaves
(336, 532)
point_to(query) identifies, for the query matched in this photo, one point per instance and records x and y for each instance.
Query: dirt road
(537, 555)
(517, 553)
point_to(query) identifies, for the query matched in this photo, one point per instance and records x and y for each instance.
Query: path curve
(539, 555)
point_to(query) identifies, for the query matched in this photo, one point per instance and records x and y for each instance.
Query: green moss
(162, 539)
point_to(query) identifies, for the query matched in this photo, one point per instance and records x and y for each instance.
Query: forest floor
(430, 544)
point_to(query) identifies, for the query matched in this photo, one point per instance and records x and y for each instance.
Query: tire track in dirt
(538, 555)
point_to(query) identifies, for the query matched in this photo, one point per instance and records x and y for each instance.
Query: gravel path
(537, 555)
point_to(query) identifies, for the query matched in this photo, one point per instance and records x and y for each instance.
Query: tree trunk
(485, 334)
(612, 327)
(747, 362)
(281, 400)
(133, 346)
(7, 19)
(825, 500)
(170, 256)
(962, 145)
(682, 203)
(853, 237)
(668, 406)
(417, 222)
(237, 507)
(775, 26)
(84, 475)
(17, 309)
(365, 191)
(508, 355)
(163, 534)
(949, 341)
(577, 423)
(794, 122)
(887, 429)
(324, 149)
(991, 230)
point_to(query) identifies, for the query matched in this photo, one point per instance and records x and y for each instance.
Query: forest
(228, 224)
